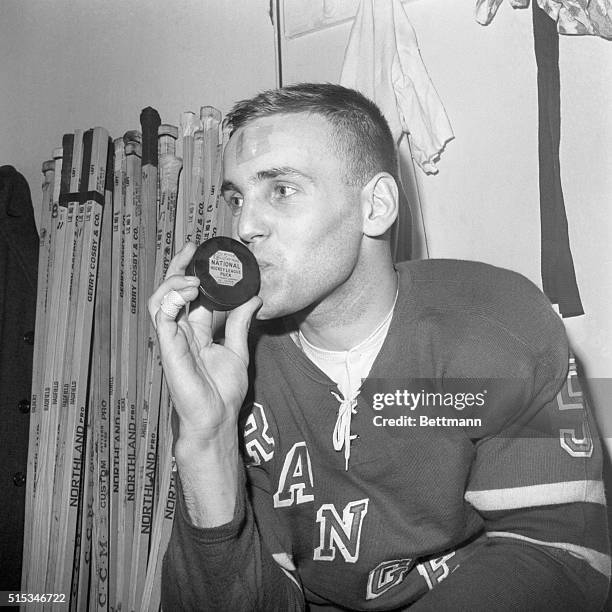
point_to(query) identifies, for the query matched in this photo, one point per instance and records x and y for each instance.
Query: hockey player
(292, 495)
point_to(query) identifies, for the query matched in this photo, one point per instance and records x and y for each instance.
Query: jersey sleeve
(224, 568)
(538, 486)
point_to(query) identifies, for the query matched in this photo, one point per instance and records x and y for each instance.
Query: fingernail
(192, 280)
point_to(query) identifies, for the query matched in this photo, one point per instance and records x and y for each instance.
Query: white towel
(383, 62)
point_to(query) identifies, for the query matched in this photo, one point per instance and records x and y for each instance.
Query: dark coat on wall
(18, 278)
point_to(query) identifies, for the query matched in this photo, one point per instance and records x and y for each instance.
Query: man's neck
(355, 310)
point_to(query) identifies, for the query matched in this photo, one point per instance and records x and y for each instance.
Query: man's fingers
(170, 307)
(200, 315)
(185, 286)
(237, 327)
(168, 333)
(172, 303)
(181, 260)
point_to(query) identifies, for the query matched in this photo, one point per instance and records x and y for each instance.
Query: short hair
(360, 133)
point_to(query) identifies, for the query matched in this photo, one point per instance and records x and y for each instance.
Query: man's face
(293, 209)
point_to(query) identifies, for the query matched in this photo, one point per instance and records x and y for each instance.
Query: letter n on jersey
(344, 533)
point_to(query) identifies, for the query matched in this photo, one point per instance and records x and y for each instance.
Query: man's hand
(208, 383)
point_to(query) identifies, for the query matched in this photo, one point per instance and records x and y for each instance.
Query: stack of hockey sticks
(100, 490)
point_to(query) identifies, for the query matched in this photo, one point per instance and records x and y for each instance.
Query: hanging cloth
(487, 9)
(574, 17)
(383, 62)
(558, 276)
(592, 17)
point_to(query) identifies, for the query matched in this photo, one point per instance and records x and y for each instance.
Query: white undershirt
(347, 369)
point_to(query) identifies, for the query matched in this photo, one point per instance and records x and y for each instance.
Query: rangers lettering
(295, 485)
(258, 443)
(571, 397)
(345, 532)
(386, 575)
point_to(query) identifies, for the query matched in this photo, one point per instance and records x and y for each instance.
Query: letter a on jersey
(295, 485)
(343, 533)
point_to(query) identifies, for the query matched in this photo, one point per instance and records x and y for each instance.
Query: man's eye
(284, 191)
(234, 201)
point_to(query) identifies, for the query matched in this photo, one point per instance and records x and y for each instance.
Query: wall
(71, 64)
(484, 203)
(586, 163)
(79, 63)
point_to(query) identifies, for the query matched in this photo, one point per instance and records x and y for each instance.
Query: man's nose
(250, 224)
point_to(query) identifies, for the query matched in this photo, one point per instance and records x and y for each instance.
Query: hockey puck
(228, 273)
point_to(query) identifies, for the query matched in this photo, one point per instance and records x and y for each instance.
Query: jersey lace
(347, 369)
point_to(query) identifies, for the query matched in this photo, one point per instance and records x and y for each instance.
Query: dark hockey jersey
(474, 479)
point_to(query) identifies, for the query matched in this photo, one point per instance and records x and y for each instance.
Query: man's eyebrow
(228, 186)
(270, 173)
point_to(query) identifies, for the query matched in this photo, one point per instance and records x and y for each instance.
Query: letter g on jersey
(386, 575)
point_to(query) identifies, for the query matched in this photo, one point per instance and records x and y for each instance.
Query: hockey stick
(57, 322)
(147, 407)
(128, 420)
(76, 431)
(189, 124)
(100, 405)
(52, 171)
(117, 293)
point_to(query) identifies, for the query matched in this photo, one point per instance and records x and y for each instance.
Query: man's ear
(379, 201)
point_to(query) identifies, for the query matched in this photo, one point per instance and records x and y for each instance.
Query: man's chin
(265, 315)
(262, 316)
(269, 311)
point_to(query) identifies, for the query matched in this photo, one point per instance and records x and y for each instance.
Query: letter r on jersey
(258, 442)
